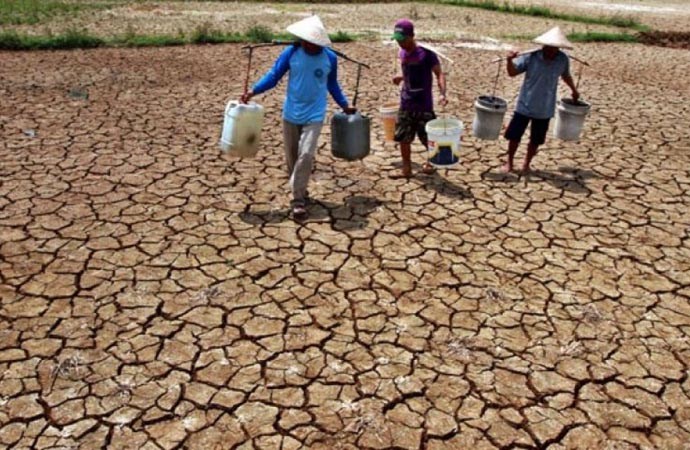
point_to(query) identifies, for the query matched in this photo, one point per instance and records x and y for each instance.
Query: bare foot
(428, 169)
(507, 167)
(406, 172)
(299, 212)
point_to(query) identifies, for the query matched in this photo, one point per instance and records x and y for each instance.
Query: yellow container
(389, 116)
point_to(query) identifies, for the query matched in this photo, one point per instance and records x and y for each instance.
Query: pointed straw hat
(311, 30)
(554, 38)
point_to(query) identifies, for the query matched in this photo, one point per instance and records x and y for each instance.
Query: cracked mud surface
(436, 21)
(156, 295)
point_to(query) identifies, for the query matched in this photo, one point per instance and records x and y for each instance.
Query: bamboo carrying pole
(249, 68)
(526, 52)
(251, 48)
(359, 73)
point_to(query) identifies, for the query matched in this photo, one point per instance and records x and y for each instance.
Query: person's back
(539, 88)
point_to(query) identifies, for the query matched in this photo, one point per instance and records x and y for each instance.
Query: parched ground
(155, 294)
(435, 20)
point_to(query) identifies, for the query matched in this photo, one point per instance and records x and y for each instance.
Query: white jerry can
(242, 129)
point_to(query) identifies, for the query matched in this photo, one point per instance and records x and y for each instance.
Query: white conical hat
(311, 30)
(554, 38)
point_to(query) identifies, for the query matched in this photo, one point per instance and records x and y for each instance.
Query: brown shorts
(411, 124)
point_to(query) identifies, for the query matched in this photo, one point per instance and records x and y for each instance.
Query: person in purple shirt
(418, 65)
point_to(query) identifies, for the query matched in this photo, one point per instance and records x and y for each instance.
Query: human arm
(510, 64)
(272, 77)
(397, 68)
(334, 86)
(441, 79)
(568, 79)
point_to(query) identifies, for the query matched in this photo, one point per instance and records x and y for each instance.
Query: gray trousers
(300, 148)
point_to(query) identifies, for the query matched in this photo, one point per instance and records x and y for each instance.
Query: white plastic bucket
(242, 129)
(389, 116)
(444, 141)
(488, 117)
(570, 118)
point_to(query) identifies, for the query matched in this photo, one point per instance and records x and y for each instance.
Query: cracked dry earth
(156, 295)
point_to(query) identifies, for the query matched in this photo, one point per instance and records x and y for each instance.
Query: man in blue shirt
(313, 74)
(537, 99)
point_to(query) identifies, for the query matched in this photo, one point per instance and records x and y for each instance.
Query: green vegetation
(11, 40)
(31, 12)
(136, 40)
(593, 36)
(541, 11)
(590, 36)
(342, 36)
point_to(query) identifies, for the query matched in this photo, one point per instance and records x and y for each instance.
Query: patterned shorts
(412, 123)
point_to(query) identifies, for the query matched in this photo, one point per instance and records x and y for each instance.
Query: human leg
(291, 136)
(404, 135)
(305, 159)
(424, 138)
(538, 131)
(512, 149)
(516, 128)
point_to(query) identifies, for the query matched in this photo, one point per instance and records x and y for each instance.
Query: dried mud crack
(156, 295)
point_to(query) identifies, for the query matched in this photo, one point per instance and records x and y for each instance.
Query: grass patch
(204, 34)
(31, 12)
(134, 40)
(342, 36)
(541, 11)
(592, 36)
(260, 34)
(11, 40)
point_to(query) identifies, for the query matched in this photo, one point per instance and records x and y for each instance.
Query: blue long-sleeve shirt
(311, 78)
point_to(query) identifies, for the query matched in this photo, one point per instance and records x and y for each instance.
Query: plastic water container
(488, 117)
(570, 118)
(389, 116)
(444, 141)
(242, 129)
(350, 137)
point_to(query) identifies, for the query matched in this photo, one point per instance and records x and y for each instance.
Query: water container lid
(492, 102)
(570, 102)
(448, 125)
(239, 106)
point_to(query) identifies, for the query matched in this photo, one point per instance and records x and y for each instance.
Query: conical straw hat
(554, 38)
(311, 30)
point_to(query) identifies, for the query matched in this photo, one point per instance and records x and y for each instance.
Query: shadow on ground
(352, 214)
(565, 178)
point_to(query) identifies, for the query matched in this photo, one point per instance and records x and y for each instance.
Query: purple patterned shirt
(416, 93)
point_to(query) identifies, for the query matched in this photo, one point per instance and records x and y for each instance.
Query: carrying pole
(249, 68)
(359, 73)
(503, 58)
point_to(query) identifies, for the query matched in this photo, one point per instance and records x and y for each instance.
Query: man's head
(311, 33)
(310, 48)
(549, 51)
(552, 40)
(403, 33)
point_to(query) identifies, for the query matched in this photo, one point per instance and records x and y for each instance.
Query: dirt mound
(672, 39)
